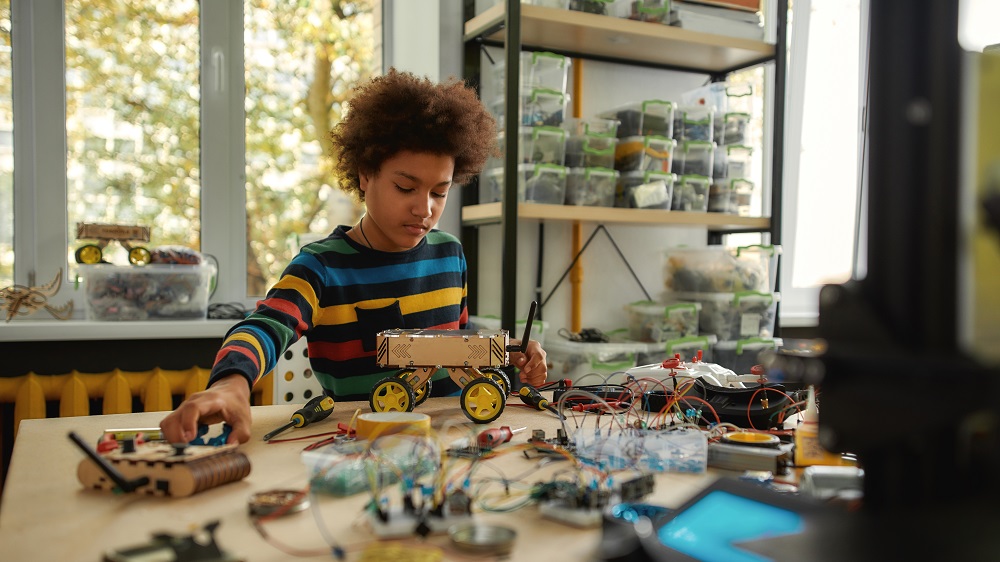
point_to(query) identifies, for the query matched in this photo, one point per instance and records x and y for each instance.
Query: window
(206, 121)
(299, 72)
(6, 150)
(822, 153)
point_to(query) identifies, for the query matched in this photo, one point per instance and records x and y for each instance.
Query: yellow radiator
(74, 390)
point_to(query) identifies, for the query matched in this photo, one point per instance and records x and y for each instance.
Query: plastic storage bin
(733, 128)
(149, 292)
(649, 117)
(721, 269)
(740, 356)
(691, 194)
(689, 347)
(591, 127)
(536, 145)
(586, 151)
(539, 69)
(542, 145)
(733, 316)
(483, 5)
(539, 328)
(597, 361)
(594, 187)
(732, 162)
(641, 10)
(694, 123)
(644, 153)
(725, 97)
(694, 158)
(537, 183)
(538, 107)
(657, 322)
(730, 197)
(645, 190)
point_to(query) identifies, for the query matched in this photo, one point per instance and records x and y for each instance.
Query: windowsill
(800, 320)
(56, 330)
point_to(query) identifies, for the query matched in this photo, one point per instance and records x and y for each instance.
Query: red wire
(766, 389)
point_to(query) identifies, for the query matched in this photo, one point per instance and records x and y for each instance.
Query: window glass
(132, 119)
(301, 61)
(6, 151)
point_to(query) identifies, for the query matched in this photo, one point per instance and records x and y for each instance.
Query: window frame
(40, 226)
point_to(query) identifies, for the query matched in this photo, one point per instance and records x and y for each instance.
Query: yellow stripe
(245, 337)
(345, 313)
(301, 287)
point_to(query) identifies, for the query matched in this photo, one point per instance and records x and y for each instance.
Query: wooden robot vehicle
(473, 359)
(105, 234)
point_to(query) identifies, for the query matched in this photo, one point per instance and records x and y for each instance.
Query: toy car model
(104, 234)
(473, 358)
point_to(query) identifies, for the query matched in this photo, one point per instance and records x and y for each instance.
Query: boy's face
(405, 198)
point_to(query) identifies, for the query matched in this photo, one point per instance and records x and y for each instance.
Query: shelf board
(488, 213)
(56, 330)
(628, 41)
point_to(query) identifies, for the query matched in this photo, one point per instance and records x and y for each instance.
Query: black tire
(392, 394)
(499, 377)
(483, 400)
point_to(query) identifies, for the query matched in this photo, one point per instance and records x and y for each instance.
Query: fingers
(181, 425)
(220, 403)
(532, 364)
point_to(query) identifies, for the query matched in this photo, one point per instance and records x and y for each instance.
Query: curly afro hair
(399, 111)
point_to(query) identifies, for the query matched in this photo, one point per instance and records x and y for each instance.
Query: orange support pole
(576, 274)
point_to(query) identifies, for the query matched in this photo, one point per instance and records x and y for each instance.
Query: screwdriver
(496, 435)
(319, 408)
(530, 396)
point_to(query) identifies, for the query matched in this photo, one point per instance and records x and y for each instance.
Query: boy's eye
(403, 189)
(439, 195)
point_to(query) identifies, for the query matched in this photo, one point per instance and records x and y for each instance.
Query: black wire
(599, 228)
(227, 311)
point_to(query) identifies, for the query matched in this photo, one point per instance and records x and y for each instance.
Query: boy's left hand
(531, 363)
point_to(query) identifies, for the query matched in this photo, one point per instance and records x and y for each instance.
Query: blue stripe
(312, 263)
(398, 272)
(266, 344)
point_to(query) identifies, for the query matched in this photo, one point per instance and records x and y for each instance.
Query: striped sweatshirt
(339, 294)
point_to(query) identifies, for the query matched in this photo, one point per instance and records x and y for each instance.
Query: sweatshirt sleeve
(252, 346)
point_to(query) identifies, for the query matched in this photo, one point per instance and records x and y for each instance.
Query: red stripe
(237, 349)
(463, 319)
(446, 326)
(343, 351)
(288, 308)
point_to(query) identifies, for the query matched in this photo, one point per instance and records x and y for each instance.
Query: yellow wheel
(499, 377)
(392, 394)
(90, 253)
(483, 400)
(139, 256)
(419, 394)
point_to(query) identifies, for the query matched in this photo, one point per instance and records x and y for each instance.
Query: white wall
(425, 37)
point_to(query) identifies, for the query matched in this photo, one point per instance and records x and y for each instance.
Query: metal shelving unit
(604, 38)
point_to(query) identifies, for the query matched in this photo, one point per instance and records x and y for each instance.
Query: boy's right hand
(228, 400)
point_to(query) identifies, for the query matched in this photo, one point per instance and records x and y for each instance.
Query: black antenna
(112, 472)
(527, 330)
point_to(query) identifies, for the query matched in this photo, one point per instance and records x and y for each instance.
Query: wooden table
(47, 515)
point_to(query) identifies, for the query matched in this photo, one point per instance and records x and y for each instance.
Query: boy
(401, 148)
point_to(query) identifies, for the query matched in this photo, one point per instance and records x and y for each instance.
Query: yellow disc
(752, 438)
(375, 424)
